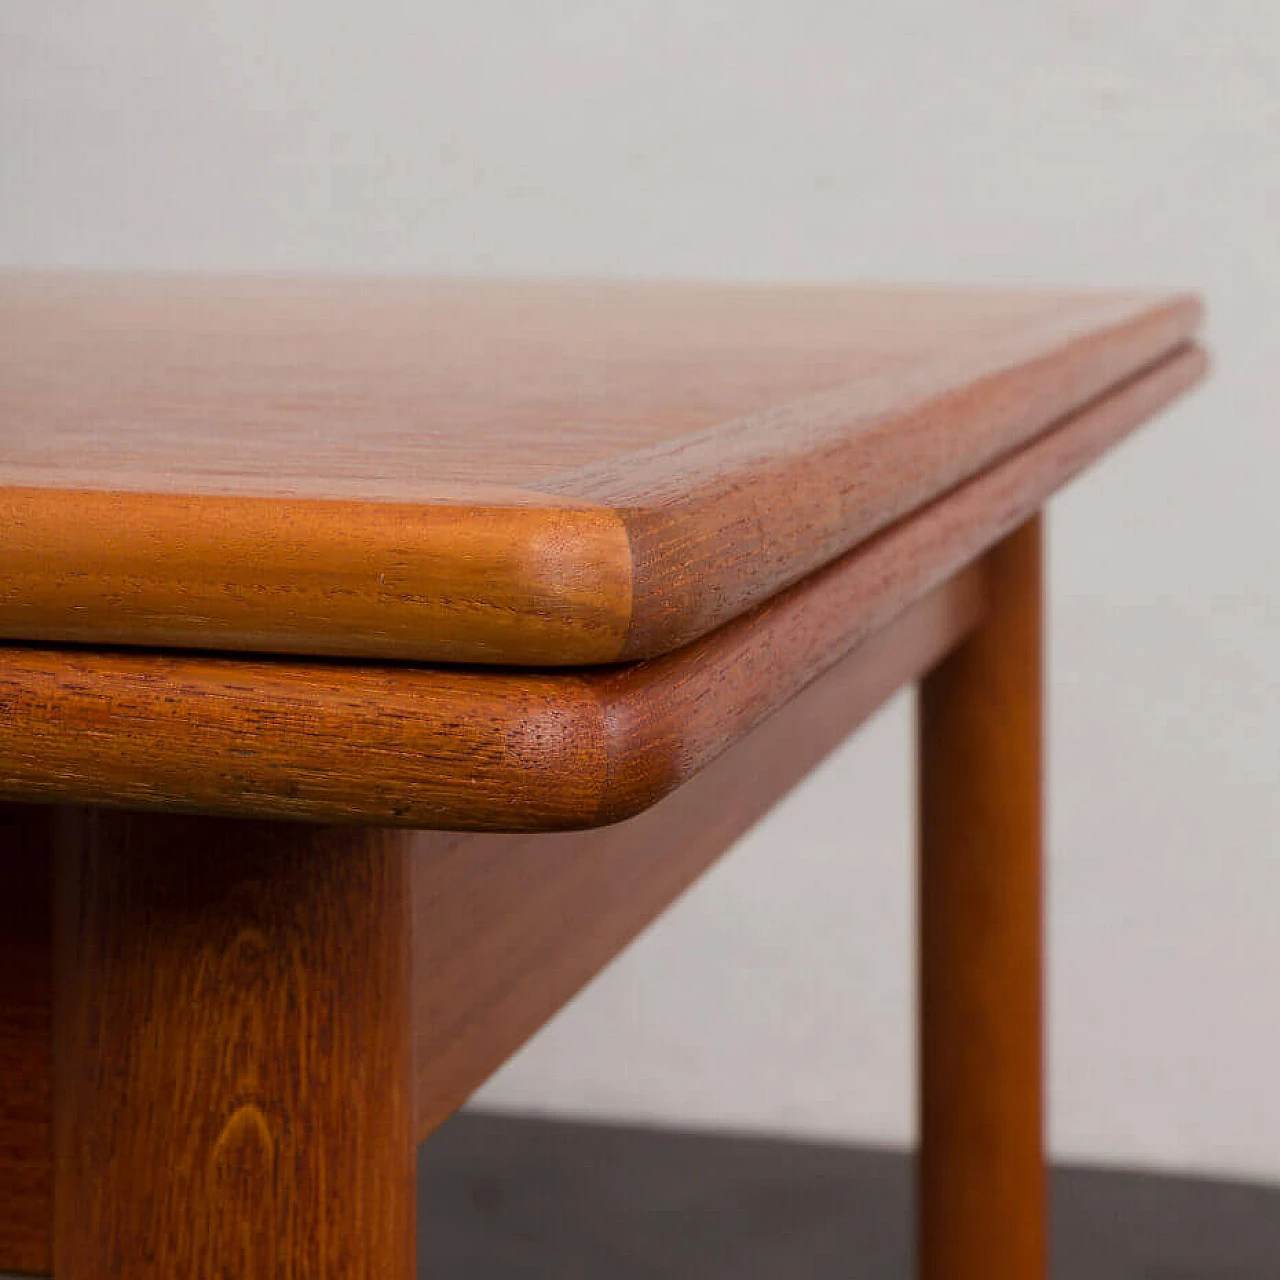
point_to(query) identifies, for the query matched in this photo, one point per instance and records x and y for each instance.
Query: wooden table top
(533, 474)
(386, 472)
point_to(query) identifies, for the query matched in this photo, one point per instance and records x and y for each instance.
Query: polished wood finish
(26, 1039)
(507, 928)
(547, 584)
(509, 750)
(233, 1051)
(982, 1186)
(732, 519)
(536, 474)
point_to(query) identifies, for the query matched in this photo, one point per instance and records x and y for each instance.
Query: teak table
(380, 656)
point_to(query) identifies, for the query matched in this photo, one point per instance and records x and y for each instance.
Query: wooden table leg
(26, 1050)
(232, 1051)
(982, 1181)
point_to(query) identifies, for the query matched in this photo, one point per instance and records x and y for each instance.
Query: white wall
(1083, 142)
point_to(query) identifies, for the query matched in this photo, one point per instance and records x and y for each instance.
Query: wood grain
(341, 578)
(505, 750)
(507, 928)
(533, 473)
(233, 1051)
(26, 1039)
(192, 951)
(982, 1189)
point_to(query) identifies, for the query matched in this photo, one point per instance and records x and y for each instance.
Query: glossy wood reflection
(524, 473)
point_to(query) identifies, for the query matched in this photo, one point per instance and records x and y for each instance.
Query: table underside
(482, 749)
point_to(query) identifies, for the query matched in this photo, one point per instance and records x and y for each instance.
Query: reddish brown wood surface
(483, 749)
(531, 473)
(504, 930)
(233, 1056)
(982, 1192)
(26, 1040)
(508, 927)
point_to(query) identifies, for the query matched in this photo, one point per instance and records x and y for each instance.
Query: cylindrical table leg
(982, 1185)
(26, 1049)
(232, 1081)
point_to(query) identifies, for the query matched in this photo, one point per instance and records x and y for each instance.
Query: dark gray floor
(505, 1197)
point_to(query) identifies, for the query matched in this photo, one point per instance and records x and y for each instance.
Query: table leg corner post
(233, 1078)
(26, 1056)
(982, 1183)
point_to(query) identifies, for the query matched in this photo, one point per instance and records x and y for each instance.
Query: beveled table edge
(627, 559)
(484, 749)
